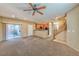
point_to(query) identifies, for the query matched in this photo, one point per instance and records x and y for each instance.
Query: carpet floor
(34, 46)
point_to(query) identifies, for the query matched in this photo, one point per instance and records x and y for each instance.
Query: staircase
(60, 35)
(61, 29)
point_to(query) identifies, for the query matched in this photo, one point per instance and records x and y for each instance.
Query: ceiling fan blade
(33, 13)
(40, 12)
(31, 5)
(28, 10)
(43, 7)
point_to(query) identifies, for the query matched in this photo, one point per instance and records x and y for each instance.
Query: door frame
(30, 30)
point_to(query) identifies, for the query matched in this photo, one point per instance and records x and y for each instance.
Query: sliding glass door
(12, 31)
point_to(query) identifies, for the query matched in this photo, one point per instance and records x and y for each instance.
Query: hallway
(34, 46)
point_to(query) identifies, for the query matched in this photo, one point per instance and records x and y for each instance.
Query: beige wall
(73, 28)
(24, 26)
(1, 35)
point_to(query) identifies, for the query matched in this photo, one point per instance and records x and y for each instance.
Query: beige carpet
(33, 46)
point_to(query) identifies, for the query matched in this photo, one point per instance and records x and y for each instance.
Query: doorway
(30, 30)
(13, 31)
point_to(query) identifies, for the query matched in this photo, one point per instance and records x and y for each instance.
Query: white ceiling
(52, 10)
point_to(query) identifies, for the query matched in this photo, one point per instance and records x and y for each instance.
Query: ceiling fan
(35, 8)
